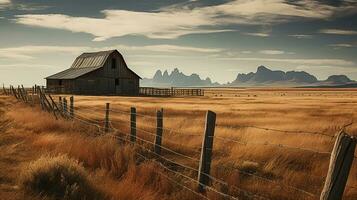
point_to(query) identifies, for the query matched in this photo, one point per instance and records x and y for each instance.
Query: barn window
(114, 63)
(116, 81)
(60, 82)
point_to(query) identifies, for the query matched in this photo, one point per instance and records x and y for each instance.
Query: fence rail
(151, 91)
(341, 157)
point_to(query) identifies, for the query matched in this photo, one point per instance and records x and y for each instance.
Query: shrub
(59, 178)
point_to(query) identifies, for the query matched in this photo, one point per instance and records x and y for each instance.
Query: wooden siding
(102, 81)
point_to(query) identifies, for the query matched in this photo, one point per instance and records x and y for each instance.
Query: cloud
(5, 1)
(338, 46)
(170, 48)
(338, 32)
(175, 21)
(336, 62)
(4, 4)
(301, 36)
(28, 52)
(258, 34)
(118, 23)
(24, 66)
(272, 52)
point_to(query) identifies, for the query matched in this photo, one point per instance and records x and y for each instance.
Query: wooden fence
(151, 91)
(341, 157)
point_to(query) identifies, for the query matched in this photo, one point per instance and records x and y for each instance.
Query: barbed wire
(279, 130)
(211, 177)
(152, 116)
(215, 179)
(89, 119)
(208, 175)
(271, 144)
(271, 181)
(174, 181)
(150, 133)
(91, 109)
(165, 148)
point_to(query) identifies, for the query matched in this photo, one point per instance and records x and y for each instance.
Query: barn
(96, 73)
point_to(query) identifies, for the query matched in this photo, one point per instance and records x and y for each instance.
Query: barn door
(117, 86)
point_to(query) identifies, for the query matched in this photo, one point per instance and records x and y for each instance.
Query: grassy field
(272, 143)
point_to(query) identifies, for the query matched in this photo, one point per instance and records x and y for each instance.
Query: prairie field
(268, 143)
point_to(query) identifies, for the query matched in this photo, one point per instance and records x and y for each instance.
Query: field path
(15, 150)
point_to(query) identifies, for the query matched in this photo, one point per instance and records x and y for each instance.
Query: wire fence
(182, 164)
(213, 179)
(171, 162)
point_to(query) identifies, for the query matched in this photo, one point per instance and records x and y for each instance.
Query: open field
(307, 110)
(269, 143)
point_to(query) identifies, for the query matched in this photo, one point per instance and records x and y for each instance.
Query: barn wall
(95, 83)
(103, 80)
(57, 85)
(128, 82)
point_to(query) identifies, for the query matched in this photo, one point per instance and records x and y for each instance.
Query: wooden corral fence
(151, 91)
(341, 157)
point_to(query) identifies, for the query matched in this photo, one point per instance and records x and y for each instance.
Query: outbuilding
(96, 73)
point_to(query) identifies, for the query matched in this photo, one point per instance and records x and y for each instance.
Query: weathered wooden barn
(97, 73)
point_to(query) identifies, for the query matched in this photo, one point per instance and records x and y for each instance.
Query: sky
(213, 38)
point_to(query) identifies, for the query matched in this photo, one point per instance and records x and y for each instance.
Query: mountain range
(176, 79)
(262, 77)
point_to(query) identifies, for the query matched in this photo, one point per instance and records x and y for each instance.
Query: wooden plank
(71, 107)
(159, 130)
(340, 165)
(106, 124)
(206, 152)
(133, 124)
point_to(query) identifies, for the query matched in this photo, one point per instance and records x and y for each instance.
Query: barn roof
(95, 59)
(85, 63)
(73, 73)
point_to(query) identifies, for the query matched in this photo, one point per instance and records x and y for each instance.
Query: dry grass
(123, 176)
(304, 110)
(112, 168)
(59, 178)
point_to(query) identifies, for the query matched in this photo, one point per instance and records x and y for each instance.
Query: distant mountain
(176, 79)
(265, 76)
(262, 77)
(338, 79)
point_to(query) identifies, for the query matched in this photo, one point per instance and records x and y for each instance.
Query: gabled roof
(85, 63)
(73, 73)
(95, 59)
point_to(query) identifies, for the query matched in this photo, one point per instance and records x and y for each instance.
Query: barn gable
(104, 72)
(95, 59)
(86, 63)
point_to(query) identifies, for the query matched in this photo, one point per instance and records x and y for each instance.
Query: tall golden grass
(113, 168)
(298, 109)
(116, 167)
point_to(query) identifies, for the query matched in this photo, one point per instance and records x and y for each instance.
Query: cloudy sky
(218, 38)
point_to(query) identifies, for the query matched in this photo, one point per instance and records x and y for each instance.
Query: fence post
(65, 106)
(106, 125)
(19, 92)
(3, 87)
(206, 151)
(133, 124)
(24, 93)
(340, 164)
(159, 125)
(71, 107)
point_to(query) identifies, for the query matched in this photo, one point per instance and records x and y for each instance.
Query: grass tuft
(58, 177)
